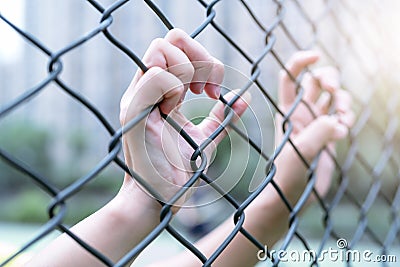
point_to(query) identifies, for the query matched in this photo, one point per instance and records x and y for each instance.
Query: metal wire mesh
(359, 67)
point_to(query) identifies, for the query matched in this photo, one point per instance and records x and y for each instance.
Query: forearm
(113, 230)
(266, 223)
(266, 218)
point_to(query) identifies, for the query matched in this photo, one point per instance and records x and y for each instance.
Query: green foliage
(22, 200)
(27, 143)
(26, 206)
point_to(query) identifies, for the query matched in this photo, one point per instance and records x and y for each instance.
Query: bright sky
(10, 42)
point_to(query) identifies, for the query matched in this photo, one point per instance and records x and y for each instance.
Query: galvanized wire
(388, 157)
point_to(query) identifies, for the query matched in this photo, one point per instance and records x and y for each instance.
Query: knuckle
(123, 109)
(122, 116)
(156, 58)
(294, 60)
(176, 90)
(327, 121)
(152, 72)
(188, 70)
(123, 113)
(283, 74)
(183, 71)
(176, 34)
(179, 89)
(158, 42)
(218, 67)
(188, 73)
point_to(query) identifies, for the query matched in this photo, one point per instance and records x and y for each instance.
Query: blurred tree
(26, 142)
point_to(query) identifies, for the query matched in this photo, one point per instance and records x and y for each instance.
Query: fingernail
(217, 91)
(341, 131)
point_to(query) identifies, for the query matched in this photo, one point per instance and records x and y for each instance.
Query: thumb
(318, 134)
(155, 86)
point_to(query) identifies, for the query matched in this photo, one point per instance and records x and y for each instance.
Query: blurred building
(100, 72)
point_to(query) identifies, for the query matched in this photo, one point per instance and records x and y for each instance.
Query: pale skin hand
(159, 154)
(311, 134)
(132, 207)
(152, 149)
(267, 216)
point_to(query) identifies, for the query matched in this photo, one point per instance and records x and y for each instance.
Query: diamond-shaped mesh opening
(60, 138)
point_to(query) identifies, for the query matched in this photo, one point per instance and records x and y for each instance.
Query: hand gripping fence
(333, 27)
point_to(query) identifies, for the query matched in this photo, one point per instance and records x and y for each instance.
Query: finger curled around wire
(343, 101)
(217, 114)
(325, 79)
(208, 74)
(301, 60)
(161, 53)
(328, 96)
(186, 60)
(296, 64)
(343, 107)
(325, 129)
(156, 86)
(328, 128)
(318, 134)
(324, 103)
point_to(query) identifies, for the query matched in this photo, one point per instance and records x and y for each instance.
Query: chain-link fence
(256, 38)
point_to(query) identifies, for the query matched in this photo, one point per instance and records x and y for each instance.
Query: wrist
(267, 217)
(133, 203)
